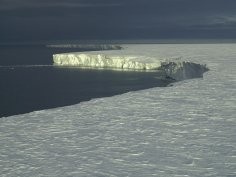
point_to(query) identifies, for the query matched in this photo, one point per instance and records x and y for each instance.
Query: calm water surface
(29, 82)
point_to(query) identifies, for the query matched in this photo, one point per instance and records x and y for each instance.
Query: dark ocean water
(29, 82)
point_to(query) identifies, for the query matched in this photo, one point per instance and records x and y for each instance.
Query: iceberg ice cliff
(103, 61)
(173, 68)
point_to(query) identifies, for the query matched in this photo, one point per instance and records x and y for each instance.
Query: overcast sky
(116, 19)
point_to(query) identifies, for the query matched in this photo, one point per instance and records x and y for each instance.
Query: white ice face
(104, 61)
(185, 130)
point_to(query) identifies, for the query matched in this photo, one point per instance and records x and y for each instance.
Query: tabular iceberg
(173, 68)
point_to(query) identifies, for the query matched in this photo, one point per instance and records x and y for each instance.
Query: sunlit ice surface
(184, 130)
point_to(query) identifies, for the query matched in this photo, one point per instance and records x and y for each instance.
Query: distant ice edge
(87, 46)
(172, 68)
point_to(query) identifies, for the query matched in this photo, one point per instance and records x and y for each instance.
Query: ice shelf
(174, 68)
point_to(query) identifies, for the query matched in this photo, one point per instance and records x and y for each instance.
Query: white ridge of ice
(174, 68)
(87, 46)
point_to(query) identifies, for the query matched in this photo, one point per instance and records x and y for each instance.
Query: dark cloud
(116, 19)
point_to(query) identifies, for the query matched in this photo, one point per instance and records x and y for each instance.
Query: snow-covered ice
(185, 130)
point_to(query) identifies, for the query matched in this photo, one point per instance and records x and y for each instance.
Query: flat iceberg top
(128, 52)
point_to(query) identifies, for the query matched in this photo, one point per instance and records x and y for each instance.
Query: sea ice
(185, 130)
